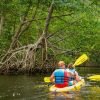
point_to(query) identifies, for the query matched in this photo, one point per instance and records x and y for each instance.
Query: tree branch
(56, 16)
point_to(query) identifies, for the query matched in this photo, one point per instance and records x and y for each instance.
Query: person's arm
(77, 76)
(69, 74)
(52, 77)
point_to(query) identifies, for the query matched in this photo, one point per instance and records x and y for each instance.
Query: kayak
(75, 87)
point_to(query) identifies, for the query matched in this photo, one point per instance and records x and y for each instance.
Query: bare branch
(48, 18)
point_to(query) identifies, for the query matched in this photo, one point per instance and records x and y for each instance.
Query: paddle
(94, 78)
(79, 61)
(47, 79)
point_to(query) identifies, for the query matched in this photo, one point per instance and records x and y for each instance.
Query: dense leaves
(74, 27)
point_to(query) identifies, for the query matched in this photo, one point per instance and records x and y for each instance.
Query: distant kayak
(75, 87)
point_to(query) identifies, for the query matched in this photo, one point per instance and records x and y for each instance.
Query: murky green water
(33, 88)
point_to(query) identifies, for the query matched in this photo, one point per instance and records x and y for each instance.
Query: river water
(23, 87)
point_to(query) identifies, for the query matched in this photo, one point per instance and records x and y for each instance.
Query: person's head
(61, 64)
(70, 66)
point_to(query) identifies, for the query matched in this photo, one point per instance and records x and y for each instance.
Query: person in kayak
(74, 78)
(60, 75)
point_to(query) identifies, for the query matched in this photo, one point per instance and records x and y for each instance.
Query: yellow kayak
(75, 87)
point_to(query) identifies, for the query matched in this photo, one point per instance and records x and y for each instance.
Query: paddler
(60, 75)
(74, 78)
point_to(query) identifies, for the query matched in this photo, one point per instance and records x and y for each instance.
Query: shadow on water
(33, 88)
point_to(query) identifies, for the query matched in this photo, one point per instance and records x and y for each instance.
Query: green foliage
(77, 31)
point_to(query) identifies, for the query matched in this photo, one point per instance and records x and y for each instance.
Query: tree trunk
(1, 23)
(44, 40)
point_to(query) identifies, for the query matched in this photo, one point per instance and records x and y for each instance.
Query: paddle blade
(94, 78)
(80, 60)
(47, 79)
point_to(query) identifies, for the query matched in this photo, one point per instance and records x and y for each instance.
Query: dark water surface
(24, 87)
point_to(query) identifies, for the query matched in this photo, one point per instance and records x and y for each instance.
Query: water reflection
(66, 96)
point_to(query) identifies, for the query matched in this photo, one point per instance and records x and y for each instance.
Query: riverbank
(36, 70)
(26, 71)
